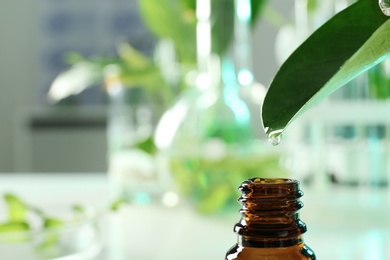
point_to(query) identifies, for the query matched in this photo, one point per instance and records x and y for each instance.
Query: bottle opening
(257, 188)
(272, 181)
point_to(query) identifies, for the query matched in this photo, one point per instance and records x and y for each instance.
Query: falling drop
(275, 140)
(385, 7)
(274, 137)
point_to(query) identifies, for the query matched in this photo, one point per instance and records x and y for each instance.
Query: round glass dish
(75, 239)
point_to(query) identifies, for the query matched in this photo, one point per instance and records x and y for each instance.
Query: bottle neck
(270, 213)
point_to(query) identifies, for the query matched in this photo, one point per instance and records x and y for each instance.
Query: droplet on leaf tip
(274, 137)
(385, 7)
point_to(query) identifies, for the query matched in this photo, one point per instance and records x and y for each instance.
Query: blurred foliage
(257, 7)
(379, 81)
(133, 69)
(166, 19)
(175, 20)
(21, 217)
(312, 5)
(147, 145)
(211, 184)
(17, 210)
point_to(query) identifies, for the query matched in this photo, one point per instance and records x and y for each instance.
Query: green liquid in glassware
(210, 184)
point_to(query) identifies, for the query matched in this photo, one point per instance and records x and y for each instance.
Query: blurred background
(36, 37)
(152, 107)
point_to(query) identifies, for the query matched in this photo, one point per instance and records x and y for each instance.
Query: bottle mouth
(269, 188)
(272, 181)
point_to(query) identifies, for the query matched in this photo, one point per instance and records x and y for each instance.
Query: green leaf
(311, 5)
(379, 80)
(13, 227)
(350, 43)
(257, 7)
(189, 5)
(133, 59)
(52, 223)
(115, 205)
(14, 232)
(76, 79)
(17, 209)
(147, 145)
(51, 239)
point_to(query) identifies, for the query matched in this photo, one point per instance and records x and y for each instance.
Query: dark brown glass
(270, 228)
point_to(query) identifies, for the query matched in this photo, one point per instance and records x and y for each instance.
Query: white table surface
(342, 224)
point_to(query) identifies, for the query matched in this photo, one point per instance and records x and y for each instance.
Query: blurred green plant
(25, 220)
(17, 215)
(175, 20)
(211, 184)
(135, 69)
(351, 42)
(166, 19)
(379, 80)
(19, 221)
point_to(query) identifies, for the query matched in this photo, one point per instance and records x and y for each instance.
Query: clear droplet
(274, 137)
(275, 140)
(385, 7)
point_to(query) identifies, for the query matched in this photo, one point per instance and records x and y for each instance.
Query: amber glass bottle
(270, 228)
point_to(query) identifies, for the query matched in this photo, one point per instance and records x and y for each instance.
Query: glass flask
(208, 135)
(132, 163)
(270, 227)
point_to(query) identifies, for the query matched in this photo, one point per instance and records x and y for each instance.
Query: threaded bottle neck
(270, 213)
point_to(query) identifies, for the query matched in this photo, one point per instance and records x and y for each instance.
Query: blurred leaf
(114, 206)
(189, 5)
(257, 7)
(222, 25)
(14, 232)
(348, 44)
(311, 5)
(76, 79)
(52, 223)
(133, 59)
(77, 208)
(166, 19)
(379, 81)
(188, 8)
(49, 247)
(14, 227)
(51, 238)
(147, 145)
(17, 209)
